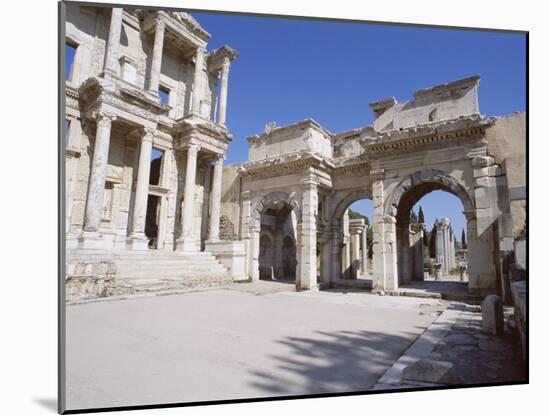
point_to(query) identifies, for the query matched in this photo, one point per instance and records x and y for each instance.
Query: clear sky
(290, 69)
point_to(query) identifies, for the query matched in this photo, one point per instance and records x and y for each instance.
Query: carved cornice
(356, 169)
(285, 165)
(193, 127)
(458, 131)
(221, 57)
(96, 91)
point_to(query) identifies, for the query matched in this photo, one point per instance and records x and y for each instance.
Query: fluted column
(215, 197)
(96, 186)
(364, 250)
(197, 81)
(138, 240)
(111, 50)
(223, 91)
(187, 241)
(156, 62)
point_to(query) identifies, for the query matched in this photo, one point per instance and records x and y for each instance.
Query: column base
(187, 244)
(91, 240)
(137, 242)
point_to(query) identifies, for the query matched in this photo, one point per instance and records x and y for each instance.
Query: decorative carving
(269, 127)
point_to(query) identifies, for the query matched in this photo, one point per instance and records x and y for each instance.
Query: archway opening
(431, 236)
(277, 254)
(356, 237)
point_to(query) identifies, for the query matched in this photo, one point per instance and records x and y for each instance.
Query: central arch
(346, 258)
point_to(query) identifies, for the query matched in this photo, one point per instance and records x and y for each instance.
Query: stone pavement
(229, 344)
(458, 353)
(264, 339)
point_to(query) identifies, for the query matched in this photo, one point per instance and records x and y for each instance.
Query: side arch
(413, 187)
(274, 197)
(344, 203)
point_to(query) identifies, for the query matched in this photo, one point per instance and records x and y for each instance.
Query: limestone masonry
(151, 207)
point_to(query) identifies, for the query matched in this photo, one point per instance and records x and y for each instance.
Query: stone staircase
(160, 272)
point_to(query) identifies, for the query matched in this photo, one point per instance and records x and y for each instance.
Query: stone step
(153, 274)
(166, 261)
(169, 265)
(167, 285)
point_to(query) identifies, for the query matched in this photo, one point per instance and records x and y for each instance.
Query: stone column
(111, 50)
(223, 91)
(156, 62)
(384, 240)
(187, 241)
(364, 250)
(308, 238)
(96, 186)
(215, 197)
(336, 253)
(197, 81)
(355, 250)
(138, 240)
(346, 261)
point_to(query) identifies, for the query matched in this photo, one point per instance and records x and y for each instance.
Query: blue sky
(290, 69)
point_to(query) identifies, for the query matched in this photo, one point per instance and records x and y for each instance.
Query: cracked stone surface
(478, 357)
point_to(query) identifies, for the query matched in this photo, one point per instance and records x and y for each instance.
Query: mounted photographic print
(259, 207)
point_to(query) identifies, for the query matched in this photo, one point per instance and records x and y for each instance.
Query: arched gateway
(437, 141)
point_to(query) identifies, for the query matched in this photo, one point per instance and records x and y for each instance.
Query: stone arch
(339, 254)
(418, 184)
(270, 200)
(273, 197)
(346, 202)
(409, 191)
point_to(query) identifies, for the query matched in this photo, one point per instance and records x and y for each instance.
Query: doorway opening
(152, 221)
(356, 249)
(277, 253)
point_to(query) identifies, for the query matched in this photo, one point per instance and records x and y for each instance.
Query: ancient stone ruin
(150, 205)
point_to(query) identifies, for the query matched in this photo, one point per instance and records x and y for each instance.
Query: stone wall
(230, 200)
(307, 136)
(507, 143)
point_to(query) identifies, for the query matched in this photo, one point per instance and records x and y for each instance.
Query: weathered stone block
(492, 315)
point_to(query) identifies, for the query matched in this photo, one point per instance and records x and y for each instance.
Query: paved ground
(239, 343)
(455, 351)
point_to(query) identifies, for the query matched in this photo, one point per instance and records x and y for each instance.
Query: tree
(369, 242)
(463, 239)
(420, 215)
(431, 248)
(426, 238)
(414, 218)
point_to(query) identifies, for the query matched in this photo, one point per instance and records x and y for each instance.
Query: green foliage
(420, 215)
(463, 240)
(426, 239)
(431, 247)
(369, 242)
(414, 218)
(356, 215)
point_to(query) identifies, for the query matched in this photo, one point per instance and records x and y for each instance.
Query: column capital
(219, 158)
(160, 24)
(193, 148)
(103, 117)
(147, 134)
(226, 62)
